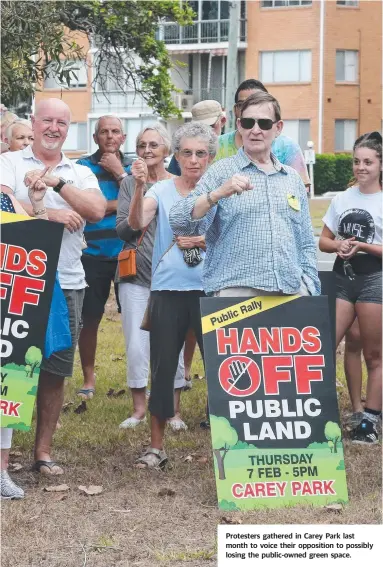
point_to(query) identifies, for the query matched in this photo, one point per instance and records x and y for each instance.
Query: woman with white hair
(152, 146)
(19, 135)
(176, 285)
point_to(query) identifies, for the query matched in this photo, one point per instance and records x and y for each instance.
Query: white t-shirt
(14, 166)
(352, 213)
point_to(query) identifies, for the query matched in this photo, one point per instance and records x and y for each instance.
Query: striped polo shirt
(101, 237)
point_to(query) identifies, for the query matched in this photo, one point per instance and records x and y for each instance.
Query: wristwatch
(122, 176)
(59, 185)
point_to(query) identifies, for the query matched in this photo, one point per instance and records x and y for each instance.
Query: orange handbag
(127, 266)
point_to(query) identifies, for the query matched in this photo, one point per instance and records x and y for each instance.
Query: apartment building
(201, 48)
(199, 54)
(322, 59)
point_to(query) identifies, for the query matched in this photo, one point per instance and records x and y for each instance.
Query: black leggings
(172, 314)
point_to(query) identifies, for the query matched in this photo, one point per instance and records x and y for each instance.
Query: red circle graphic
(239, 376)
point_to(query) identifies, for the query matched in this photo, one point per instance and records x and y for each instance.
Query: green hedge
(332, 172)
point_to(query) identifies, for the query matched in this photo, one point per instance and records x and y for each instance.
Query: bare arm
(142, 211)
(185, 242)
(355, 246)
(327, 242)
(90, 204)
(111, 207)
(124, 231)
(16, 205)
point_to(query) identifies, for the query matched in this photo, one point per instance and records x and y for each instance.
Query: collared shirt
(284, 148)
(101, 236)
(262, 238)
(14, 166)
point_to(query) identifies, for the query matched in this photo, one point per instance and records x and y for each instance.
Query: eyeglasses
(150, 145)
(263, 123)
(200, 154)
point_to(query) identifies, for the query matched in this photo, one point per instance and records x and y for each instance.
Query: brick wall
(290, 28)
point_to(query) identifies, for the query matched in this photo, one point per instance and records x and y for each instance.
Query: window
(78, 81)
(77, 137)
(280, 3)
(110, 76)
(285, 66)
(347, 66)
(298, 130)
(345, 135)
(348, 2)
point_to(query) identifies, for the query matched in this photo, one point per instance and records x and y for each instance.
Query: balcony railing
(209, 31)
(116, 101)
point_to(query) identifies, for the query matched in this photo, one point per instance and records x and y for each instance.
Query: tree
(37, 36)
(333, 435)
(33, 358)
(224, 437)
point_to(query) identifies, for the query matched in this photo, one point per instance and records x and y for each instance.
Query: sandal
(49, 465)
(86, 393)
(153, 458)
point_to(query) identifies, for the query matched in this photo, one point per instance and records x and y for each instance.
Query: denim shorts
(61, 363)
(365, 288)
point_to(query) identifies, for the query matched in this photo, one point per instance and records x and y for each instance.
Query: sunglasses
(263, 123)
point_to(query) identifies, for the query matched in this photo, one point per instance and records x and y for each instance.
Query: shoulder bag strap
(142, 236)
(166, 251)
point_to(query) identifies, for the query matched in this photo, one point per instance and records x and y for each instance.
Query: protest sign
(28, 261)
(272, 397)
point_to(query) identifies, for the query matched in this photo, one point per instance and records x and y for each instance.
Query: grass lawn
(135, 522)
(318, 208)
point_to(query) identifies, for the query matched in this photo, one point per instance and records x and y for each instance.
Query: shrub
(332, 172)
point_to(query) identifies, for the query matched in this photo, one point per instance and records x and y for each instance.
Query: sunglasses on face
(263, 123)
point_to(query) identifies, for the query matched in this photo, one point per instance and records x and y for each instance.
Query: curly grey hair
(195, 130)
(156, 127)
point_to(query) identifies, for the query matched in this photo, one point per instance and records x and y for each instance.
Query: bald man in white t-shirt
(73, 197)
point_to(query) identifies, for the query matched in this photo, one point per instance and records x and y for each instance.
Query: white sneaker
(177, 425)
(10, 490)
(131, 422)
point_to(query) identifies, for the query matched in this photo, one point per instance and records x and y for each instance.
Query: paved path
(325, 261)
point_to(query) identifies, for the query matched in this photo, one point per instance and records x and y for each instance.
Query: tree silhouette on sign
(33, 358)
(224, 437)
(333, 435)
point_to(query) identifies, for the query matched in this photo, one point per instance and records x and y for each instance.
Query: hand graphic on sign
(240, 375)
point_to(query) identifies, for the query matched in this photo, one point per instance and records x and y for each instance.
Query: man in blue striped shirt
(103, 245)
(254, 213)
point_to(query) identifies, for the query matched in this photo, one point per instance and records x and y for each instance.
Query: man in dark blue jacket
(103, 245)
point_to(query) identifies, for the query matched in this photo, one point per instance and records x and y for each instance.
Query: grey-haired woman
(152, 145)
(176, 275)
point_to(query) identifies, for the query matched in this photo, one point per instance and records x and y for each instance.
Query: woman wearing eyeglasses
(254, 213)
(176, 274)
(152, 146)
